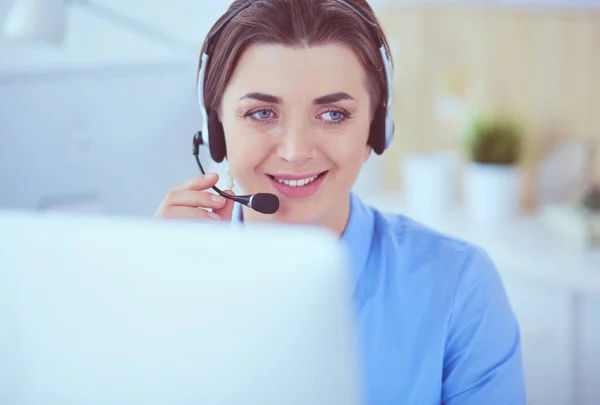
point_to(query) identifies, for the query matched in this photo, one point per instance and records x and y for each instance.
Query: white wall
(93, 41)
(104, 123)
(120, 136)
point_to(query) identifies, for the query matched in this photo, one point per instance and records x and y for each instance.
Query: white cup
(429, 183)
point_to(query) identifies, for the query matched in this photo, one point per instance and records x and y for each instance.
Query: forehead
(289, 71)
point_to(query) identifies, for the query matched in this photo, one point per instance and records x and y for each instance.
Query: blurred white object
(574, 223)
(114, 311)
(491, 193)
(562, 176)
(429, 182)
(37, 21)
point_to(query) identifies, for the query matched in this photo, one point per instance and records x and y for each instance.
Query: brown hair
(294, 23)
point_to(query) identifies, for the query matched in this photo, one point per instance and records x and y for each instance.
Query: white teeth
(297, 183)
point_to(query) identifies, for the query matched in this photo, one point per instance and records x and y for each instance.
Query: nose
(297, 145)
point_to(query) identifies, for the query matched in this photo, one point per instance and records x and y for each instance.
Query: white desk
(554, 288)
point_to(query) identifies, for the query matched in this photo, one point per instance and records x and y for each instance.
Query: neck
(337, 220)
(334, 220)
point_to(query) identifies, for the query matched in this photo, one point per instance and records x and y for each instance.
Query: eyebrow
(265, 98)
(327, 99)
(332, 98)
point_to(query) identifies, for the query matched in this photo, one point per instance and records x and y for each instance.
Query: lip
(296, 176)
(299, 192)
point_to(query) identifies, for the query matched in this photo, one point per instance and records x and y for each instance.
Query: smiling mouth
(299, 182)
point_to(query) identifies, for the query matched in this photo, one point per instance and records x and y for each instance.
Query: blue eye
(263, 114)
(335, 115)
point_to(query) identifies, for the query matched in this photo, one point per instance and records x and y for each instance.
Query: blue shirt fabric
(433, 320)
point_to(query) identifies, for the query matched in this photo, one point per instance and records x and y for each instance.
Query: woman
(296, 94)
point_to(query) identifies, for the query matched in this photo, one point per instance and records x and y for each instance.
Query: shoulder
(454, 286)
(410, 239)
(418, 253)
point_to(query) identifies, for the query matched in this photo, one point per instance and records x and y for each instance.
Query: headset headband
(235, 12)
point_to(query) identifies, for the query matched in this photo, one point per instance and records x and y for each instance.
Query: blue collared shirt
(434, 322)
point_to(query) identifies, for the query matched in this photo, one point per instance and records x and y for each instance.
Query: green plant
(494, 141)
(591, 200)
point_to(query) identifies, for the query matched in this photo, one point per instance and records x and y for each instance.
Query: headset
(212, 133)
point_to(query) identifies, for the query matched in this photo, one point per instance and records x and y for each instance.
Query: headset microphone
(264, 203)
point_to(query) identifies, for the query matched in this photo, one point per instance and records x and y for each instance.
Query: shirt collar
(356, 238)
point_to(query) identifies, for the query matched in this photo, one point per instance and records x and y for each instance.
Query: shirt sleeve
(482, 359)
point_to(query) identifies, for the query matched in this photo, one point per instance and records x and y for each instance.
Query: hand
(190, 201)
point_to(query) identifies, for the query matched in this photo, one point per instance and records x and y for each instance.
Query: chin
(299, 213)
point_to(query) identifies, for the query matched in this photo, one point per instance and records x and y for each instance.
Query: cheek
(349, 153)
(351, 163)
(242, 138)
(245, 150)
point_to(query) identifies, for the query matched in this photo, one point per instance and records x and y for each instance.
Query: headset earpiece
(216, 143)
(377, 132)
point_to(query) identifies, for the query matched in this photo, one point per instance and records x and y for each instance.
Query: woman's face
(296, 122)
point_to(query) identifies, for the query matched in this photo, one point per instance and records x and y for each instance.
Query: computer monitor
(130, 311)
